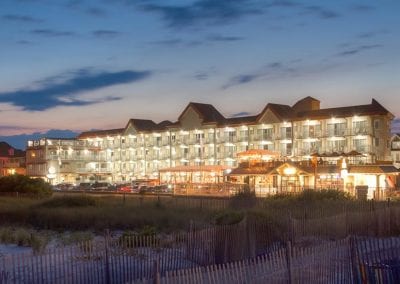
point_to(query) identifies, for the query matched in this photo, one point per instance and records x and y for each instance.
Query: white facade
(202, 137)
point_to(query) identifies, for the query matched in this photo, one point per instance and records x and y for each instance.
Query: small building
(333, 171)
(12, 161)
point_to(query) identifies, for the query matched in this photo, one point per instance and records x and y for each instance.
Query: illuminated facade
(203, 136)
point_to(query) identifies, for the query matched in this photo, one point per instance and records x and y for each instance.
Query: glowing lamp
(289, 171)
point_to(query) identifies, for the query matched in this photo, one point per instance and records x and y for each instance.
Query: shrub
(77, 237)
(325, 194)
(25, 184)
(242, 200)
(7, 235)
(228, 217)
(70, 201)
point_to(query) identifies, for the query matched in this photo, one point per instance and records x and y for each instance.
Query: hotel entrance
(290, 184)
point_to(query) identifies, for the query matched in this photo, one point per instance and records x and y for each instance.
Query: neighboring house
(12, 161)
(395, 149)
(201, 135)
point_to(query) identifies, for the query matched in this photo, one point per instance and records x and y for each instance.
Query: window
(336, 129)
(377, 142)
(286, 132)
(376, 123)
(360, 127)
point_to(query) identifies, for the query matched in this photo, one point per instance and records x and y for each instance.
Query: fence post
(107, 264)
(289, 261)
(156, 272)
(353, 259)
(388, 216)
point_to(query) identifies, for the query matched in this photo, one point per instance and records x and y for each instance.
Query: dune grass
(166, 214)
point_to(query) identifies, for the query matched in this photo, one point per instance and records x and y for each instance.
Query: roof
(321, 169)
(241, 120)
(101, 133)
(207, 112)
(205, 168)
(251, 171)
(284, 112)
(258, 153)
(6, 150)
(374, 108)
(373, 169)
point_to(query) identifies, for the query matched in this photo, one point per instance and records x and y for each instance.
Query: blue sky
(83, 64)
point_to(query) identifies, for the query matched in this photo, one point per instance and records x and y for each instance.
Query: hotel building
(203, 136)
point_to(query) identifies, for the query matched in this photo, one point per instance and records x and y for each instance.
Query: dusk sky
(84, 64)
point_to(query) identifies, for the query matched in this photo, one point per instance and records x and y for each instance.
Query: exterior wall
(138, 155)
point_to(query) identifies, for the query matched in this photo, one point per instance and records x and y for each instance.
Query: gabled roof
(207, 112)
(284, 112)
(147, 125)
(101, 133)
(6, 150)
(241, 120)
(142, 124)
(374, 108)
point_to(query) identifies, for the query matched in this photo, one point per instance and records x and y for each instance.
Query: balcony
(362, 131)
(263, 138)
(285, 137)
(227, 140)
(243, 139)
(93, 171)
(308, 135)
(336, 133)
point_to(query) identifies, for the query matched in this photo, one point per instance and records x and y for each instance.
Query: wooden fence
(380, 222)
(314, 248)
(351, 260)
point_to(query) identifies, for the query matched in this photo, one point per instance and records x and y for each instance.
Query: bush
(325, 194)
(228, 218)
(70, 201)
(26, 185)
(243, 200)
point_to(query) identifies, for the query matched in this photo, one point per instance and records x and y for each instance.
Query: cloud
(242, 79)
(52, 33)
(267, 72)
(201, 76)
(320, 12)
(243, 113)
(62, 90)
(21, 18)
(105, 33)
(283, 3)
(94, 11)
(372, 34)
(221, 38)
(358, 49)
(24, 42)
(362, 8)
(171, 42)
(203, 12)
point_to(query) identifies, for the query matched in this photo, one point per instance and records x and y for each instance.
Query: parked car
(102, 186)
(163, 188)
(125, 188)
(84, 186)
(63, 186)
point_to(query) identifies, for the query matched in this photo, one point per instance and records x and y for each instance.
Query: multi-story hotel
(203, 136)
